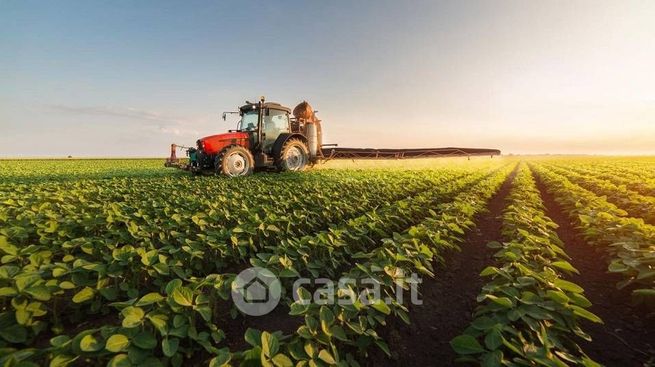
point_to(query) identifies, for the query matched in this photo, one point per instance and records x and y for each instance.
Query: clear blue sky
(103, 78)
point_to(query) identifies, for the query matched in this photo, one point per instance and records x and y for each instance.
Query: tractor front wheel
(234, 161)
(294, 156)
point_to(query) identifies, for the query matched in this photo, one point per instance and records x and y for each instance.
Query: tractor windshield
(249, 121)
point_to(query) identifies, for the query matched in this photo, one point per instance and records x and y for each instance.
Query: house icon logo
(256, 291)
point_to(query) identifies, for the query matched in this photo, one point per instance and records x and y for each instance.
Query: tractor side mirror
(224, 116)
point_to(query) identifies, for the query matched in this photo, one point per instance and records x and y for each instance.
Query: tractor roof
(273, 105)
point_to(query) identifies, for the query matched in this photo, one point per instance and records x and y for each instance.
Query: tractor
(267, 137)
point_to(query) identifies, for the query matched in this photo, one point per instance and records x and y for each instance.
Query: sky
(123, 78)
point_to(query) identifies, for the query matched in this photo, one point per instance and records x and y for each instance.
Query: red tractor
(267, 137)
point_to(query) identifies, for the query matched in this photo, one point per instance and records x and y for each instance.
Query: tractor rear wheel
(294, 156)
(234, 161)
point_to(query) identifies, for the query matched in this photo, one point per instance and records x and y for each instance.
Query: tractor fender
(283, 138)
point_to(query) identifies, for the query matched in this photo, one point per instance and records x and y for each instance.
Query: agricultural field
(543, 261)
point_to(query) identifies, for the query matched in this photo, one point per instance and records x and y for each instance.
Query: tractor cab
(264, 122)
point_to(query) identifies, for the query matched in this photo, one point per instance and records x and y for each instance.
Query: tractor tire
(234, 161)
(294, 156)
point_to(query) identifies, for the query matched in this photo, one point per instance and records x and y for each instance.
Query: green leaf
(492, 359)
(580, 300)
(281, 360)
(586, 314)
(379, 305)
(7, 291)
(568, 286)
(466, 344)
(66, 285)
(90, 343)
(616, 266)
(489, 270)
(162, 268)
(383, 346)
(39, 293)
(145, 340)
(270, 344)
(483, 323)
(62, 360)
(205, 312)
(493, 339)
(59, 341)
(84, 295)
(503, 301)
(23, 316)
(495, 245)
(159, 322)
(310, 349)
(169, 346)
(326, 357)
(287, 273)
(222, 358)
(565, 265)
(24, 280)
(338, 332)
(133, 316)
(183, 296)
(14, 334)
(6, 247)
(117, 343)
(150, 298)
(298, 309)
(326, 315)
(253, 337)
(557, 296)
(120, 360)
(172, 285)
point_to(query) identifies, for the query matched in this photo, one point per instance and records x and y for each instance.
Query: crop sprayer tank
(312, 126)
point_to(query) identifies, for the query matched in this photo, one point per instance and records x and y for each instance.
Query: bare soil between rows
(449, 299)
(627, 337)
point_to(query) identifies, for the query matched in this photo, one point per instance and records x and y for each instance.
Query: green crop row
(617, 175)
(39, 170)
(637, 205)
(528, 314)
(629, 242)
